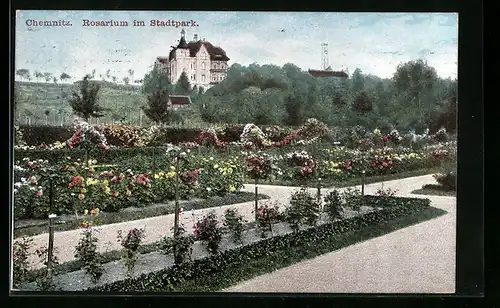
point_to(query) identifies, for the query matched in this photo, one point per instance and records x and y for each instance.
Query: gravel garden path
(420, 258)
(416, 259)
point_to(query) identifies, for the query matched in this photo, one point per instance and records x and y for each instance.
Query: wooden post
(256, 198)
(363, 183)
(154, 162)
(50, 251)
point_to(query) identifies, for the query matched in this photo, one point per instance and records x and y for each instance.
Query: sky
(373, 42)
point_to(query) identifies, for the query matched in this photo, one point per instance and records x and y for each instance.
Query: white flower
(18, 184)
(209, 189)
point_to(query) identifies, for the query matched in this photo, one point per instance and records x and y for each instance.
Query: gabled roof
(180, 99)
(216, 53)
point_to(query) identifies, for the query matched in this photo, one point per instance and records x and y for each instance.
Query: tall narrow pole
(363, 183)
(256, 198)
(176, 210)
(51, 246)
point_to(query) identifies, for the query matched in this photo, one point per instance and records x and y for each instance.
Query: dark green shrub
(333, 205)
(303, 210)
(36, 135)
(181, 246)
(233, 223)
(21, 265)
(86, 252)
(208, 232)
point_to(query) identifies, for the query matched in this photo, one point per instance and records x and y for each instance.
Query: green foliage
(352, 198)
(157, 89)
(208, 231)
(21, 265)
(215, 272)
(183, 87)
(234, 224)
(86, 252)
(333, 205)
(303, 210)
(131, 243)
(180, 245)
(447, 178)
(86, 104)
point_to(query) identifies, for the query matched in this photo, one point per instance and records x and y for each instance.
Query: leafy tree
(23, 73)
(183, 87)
(358, 82)
(157, 88)
(47, 76)
(86, 103)
(126, 80)
(64, 77)
(114, 79)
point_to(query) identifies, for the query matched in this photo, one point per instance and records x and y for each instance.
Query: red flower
(373, 164)
(76, 181)
(384, 164)
(38, 194)
(180, 211)
(84, 225)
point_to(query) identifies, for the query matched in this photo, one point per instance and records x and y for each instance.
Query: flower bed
(115, 187)
(230, 265)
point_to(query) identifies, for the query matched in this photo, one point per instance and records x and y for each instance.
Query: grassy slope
(49, 96)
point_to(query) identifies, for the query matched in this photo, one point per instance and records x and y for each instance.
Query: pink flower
(38, 194)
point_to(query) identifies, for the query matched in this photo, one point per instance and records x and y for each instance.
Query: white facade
(202, 68)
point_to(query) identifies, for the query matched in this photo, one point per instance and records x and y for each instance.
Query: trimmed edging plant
(222, 270)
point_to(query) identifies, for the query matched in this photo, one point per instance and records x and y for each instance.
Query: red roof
(323, 73)
(216, 53)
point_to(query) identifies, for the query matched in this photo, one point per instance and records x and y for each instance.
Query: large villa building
(204, 63)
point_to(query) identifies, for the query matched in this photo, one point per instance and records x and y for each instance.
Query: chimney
(195, 37)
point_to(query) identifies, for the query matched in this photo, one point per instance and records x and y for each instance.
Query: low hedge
(108, 156)
(36, 135)
(228, 267)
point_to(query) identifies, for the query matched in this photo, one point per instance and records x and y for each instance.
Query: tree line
(414, 98)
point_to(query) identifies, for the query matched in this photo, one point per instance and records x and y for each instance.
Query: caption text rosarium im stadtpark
(113, 23)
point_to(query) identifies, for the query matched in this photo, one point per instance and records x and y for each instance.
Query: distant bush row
(129, 136)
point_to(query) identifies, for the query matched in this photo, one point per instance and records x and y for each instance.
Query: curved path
(416, 259)
(419, 258)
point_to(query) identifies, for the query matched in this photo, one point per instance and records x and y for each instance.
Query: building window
(202, 78)
(202, 65)
(193, 77)
(220, 77)
(191, 65)
(216, 66)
